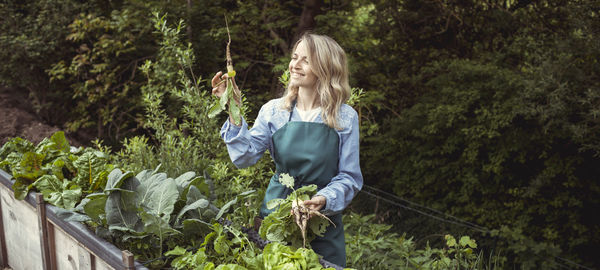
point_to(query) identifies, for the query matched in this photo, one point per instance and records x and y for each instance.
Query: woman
(311, 134)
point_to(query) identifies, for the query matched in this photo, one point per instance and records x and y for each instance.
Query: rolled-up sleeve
(348, 182)
(246, 147)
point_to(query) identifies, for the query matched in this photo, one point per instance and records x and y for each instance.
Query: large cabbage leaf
(121, 207)
(157, 194)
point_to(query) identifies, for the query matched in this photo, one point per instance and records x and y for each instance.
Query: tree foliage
(32, 38)
(502, 132)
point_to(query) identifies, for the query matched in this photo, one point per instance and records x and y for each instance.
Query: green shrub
(183, 137)
(32, 37)
(477, 145)
(103, 74)
(373, 246)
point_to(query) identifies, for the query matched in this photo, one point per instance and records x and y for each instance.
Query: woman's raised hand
(219, 84)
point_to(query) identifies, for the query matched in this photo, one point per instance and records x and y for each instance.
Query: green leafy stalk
(228, 98)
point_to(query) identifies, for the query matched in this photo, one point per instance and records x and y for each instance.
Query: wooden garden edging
(33, 237)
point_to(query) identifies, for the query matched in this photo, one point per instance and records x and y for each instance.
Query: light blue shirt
(246, 147)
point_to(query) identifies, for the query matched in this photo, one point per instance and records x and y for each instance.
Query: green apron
(309, 152)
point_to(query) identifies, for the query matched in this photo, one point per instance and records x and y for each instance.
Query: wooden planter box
(33, 237)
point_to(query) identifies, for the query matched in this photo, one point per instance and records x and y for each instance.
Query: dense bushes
(502, 133)
(32, 38)
(474, 139)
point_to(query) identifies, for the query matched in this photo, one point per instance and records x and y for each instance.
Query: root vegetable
(302, 214)
(232, 96)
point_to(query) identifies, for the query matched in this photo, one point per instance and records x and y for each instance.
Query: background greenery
(485, 110)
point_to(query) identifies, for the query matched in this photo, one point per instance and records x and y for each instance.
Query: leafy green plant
(230, 245)
(274, 256)
(177, 129)
(61, 174)
(149, 213)
(281, 224)
(229, 182)
(149, 207)
(176, 108)
(137, 154)
(373, 246)
(185, 259)
(278, 256)
(376, 247)
(57, 192)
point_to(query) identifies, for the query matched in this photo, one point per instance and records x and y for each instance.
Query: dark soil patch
(18, 119)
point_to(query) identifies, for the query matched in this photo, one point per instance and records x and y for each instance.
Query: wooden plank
(101, 265)
(68, 239)
(3, 251)
(67, 256)
(43, 229)
(22, 237)
(72, 254)
(128, 260)
(23, 242)
(85, 259)
(52, 246)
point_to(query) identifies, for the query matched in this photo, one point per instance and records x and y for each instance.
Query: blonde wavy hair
(328, 62)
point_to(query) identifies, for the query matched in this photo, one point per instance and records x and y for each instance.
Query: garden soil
(18, 119)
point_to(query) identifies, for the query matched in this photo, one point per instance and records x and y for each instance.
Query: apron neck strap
(292, 110)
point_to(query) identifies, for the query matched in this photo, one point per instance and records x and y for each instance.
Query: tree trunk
(280, 41)
(189, 20)
(311, 9)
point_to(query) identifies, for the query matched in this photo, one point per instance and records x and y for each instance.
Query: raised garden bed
(33, 237)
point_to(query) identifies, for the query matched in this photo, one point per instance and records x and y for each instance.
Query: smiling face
(301, 74)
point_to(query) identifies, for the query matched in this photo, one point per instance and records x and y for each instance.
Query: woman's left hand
(316, 203)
